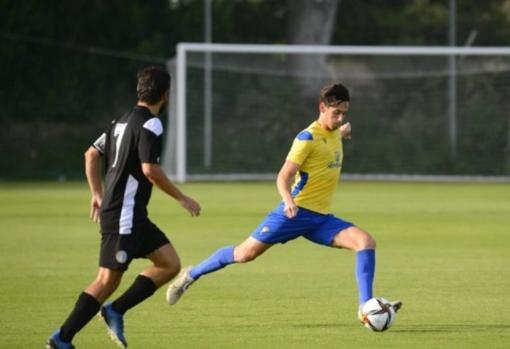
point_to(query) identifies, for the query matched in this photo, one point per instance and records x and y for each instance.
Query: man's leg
(165, 266)
(245, 252)
(89, 301)
(363, 244)
(353, 238)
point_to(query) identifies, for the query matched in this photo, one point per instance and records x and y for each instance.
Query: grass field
(444, 249)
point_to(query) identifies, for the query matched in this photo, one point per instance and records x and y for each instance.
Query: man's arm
(93, 173)
(157, 176)
(283, 183)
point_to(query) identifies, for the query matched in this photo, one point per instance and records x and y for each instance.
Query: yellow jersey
(319, 153)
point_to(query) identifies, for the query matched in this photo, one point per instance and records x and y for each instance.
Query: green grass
(443, 249)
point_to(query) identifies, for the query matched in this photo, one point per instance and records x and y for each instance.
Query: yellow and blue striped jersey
(319, 153)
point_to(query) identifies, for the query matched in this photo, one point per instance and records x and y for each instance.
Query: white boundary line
(241, 177)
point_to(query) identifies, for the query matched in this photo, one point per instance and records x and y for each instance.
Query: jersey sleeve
(100, 144)
(301, 148)
(150, 142)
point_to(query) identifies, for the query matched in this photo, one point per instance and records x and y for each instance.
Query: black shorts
(117, 251)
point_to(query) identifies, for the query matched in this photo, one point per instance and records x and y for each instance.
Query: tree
(310, 22)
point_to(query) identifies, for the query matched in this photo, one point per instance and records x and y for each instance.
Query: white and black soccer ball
(377, 314)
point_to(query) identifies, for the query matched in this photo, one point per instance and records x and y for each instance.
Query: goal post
(251, 82)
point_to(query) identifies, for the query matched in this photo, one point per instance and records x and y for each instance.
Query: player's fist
(95, 205)
(345, 130)
(290, 209)
(190, 205)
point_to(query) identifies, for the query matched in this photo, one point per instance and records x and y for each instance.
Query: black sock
(141, 289)
(84, 310)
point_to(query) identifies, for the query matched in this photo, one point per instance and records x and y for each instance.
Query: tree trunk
(310, 22)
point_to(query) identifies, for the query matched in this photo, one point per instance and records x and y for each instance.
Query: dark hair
(334, 94)
(153, 82)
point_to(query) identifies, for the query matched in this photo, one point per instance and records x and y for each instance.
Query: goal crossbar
(182, 48)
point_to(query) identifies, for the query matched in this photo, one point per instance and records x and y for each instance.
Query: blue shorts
(316, 227)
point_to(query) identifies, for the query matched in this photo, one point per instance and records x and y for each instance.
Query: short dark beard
(162, 108)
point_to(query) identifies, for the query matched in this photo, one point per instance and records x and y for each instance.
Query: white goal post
(176, 150)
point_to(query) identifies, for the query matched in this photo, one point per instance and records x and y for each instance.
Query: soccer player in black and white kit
(131, 150)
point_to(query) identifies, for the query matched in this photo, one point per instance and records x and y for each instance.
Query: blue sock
(365, 269)
(218, 260)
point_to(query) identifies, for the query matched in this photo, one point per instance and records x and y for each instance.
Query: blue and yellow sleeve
(301, 148)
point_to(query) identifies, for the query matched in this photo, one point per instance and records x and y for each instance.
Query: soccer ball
(377, 314)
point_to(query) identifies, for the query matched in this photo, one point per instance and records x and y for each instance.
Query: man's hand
(283, 181)
(345, 130)
(290, 209)
(155, 174)
(93, 173)
(190, 205)
(95, 205)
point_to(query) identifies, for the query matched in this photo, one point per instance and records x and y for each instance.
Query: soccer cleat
(55, 342)
(396, 305)
(177, 288)
(114, 323)
(361, 317)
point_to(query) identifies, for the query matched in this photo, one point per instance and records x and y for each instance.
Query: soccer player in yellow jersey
(306, 183)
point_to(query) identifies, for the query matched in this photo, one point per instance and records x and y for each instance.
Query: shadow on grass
(318, 325)
(426, 328)
(442, 328)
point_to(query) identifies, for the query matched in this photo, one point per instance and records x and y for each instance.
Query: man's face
(333, 117)
(165, 98)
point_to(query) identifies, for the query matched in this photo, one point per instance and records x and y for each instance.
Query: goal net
(414, 110)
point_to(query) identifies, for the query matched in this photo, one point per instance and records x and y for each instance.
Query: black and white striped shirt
(130, 141)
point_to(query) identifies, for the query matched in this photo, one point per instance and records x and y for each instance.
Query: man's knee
(367, 242)
(172, 270)
(354, 239)
(168, 269)
(244, 255)
(166, 261)
(363, 241)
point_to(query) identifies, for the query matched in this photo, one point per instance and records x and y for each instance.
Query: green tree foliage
(421, 22)
(68, 67)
